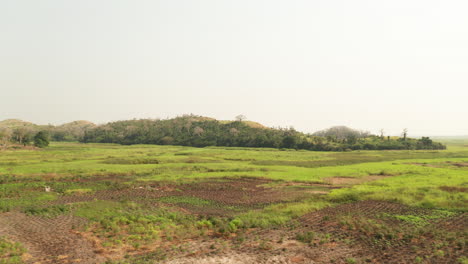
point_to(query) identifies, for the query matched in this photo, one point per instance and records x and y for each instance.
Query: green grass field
(140, 198)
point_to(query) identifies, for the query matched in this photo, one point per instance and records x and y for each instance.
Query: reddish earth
(364, 231)
(232, 192)
(49, 240)
(388, 240)
(453, 189)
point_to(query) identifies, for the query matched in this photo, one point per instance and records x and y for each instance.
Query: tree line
(197, 131)
(16, 133)
(200, 132)
(23, 137)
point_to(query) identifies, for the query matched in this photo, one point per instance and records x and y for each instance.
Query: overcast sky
(308, 64)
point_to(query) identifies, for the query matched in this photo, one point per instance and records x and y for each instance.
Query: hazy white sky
(310, 64)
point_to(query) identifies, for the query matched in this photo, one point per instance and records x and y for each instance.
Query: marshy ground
(165, 204)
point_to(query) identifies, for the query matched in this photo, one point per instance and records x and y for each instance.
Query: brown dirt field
(232, 192)
(398, 248)
(248, 191)
(264, 247)
(455, 223)
(54, 240)
(49, 240)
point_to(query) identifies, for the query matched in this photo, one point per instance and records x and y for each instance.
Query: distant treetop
(341, 132)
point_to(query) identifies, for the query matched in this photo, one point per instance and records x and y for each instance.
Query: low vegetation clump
(10, 252)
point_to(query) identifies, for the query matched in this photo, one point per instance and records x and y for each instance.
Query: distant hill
(72, 131)
(200, 131)
(15, 123)
(187, 130)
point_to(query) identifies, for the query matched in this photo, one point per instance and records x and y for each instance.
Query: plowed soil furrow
(49, 240)
(248, 192)
(401, 244)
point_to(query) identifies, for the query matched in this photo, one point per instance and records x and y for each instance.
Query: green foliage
(132, 224)
(422, 219)
(420, 187)
(279, 214)
(10, 252)
(306, 237)
(186, 200)
(200, 132)
(41, 139)
(50, 211)
(424, 178)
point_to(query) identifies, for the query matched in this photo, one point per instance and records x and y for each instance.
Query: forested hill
(201, 131)
(198, 131)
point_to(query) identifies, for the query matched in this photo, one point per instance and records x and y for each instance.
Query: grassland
(151, 204)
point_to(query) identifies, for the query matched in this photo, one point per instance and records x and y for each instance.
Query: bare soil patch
(231, 192)
(264, 247)
(245, 191)
(453, 189)
(54, 240)
(389, 240)
(49, 240)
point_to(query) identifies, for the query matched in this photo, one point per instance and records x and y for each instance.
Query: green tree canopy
(41, 139)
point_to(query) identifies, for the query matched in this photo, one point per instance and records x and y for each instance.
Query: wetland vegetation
(179, 204)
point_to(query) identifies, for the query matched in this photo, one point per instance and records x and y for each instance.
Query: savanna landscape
(73, 202)
(233, 132)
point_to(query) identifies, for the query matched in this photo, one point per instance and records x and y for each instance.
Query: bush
(41, 139)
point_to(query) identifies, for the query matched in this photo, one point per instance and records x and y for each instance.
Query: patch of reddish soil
(232, 192)
(49, 240)
(387, 239)
(455, 223)
(246, 191)
(264, 247)
(453, 189)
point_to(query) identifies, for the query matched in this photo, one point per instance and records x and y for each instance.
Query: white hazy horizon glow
(307, 64)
